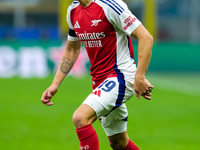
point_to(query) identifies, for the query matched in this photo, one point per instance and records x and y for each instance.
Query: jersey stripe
(113, 6)
(128, 38)
(125, 119)
(121, 92)
(75, 1)
(118, 5)
(122, 87)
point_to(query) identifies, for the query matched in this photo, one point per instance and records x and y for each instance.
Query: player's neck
(85, 3)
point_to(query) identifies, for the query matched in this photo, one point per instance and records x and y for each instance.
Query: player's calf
(118, 141)
(117, 146)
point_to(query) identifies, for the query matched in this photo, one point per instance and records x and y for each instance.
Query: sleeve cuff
(133, 27)
(71, 38)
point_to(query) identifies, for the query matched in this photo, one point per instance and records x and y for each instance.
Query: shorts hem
(117, 132)
(95, 108)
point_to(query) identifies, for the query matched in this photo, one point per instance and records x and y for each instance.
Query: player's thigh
(103, 98)
(84, 115)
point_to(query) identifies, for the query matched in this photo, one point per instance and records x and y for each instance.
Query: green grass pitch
(170, 121)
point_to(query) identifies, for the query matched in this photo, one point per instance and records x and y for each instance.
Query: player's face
(85, 1)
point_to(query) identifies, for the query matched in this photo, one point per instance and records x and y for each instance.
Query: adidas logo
(77, 25)
(98, 93)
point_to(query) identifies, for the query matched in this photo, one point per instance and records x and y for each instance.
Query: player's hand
(142, 87)
(48, 94)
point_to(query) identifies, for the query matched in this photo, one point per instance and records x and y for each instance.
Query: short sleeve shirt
(104, 27)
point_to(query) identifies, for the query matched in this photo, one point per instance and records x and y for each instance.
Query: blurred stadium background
(32, 38)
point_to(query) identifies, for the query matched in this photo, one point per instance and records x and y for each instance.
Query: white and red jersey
(104, 28)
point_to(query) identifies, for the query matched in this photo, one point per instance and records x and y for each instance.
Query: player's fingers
(49, 94)
(147, 97)
(48, 103)
(148, 94)
(137, 95)
(44, 95)
(144, 91)
(150, 89)
(45, 100)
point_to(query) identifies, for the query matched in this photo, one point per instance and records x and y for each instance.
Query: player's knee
(117, 145)
(79, 120)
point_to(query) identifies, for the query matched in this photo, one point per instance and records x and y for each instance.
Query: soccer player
(105, 27)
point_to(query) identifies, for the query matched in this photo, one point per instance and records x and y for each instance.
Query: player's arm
(67, 61)
(145, 42)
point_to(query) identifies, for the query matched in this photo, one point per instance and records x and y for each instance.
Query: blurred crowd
(39, 19)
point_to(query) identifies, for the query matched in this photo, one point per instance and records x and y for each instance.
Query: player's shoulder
(110, 1)
(117, 6)
(73, 5)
